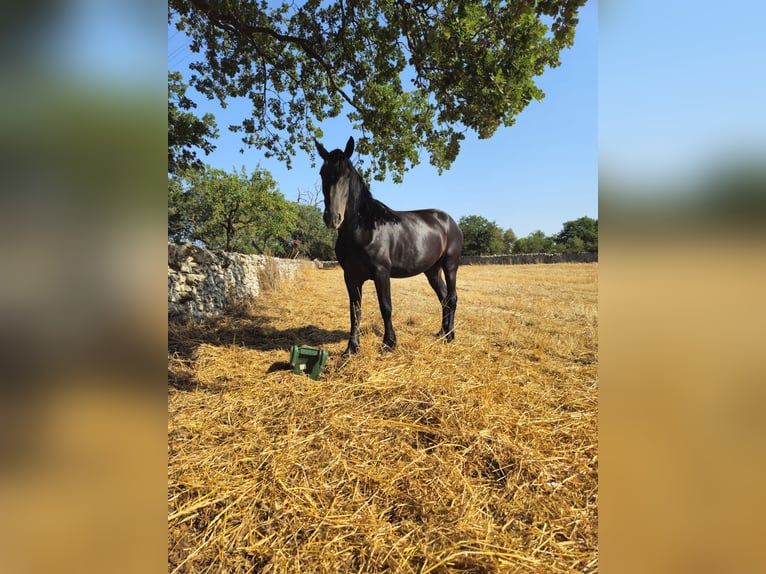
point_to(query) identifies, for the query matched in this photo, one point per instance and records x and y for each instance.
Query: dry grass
(478, 456)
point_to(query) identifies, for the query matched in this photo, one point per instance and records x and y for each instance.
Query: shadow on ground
(250, 333)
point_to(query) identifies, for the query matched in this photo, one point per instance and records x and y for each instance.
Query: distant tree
(498, 243)
(186, 132)
(317, 241)
(180, 216)
(578, 236)
(535, 242)
(481, 236)
(313, 197)
(573, 245)
(230, 211)
(509, 238)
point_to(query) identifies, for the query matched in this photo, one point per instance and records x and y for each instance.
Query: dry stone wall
(202, 283)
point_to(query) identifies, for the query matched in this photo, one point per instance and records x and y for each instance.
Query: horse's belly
(401, 273)
(412, 268)
(364, 267)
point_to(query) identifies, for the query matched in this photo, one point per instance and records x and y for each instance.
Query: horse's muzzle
(332, 220)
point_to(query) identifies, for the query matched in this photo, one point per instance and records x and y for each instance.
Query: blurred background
(682, 273)
(682, 136)
(82, 317)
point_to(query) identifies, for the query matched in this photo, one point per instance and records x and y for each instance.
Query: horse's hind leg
(450, 306)
(440, 287)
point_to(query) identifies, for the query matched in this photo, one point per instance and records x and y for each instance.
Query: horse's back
(453, 235)
(436, 217)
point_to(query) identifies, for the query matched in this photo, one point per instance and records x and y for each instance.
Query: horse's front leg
(383, 288)
(355, 307)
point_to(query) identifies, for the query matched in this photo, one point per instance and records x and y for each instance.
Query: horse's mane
(371, 211)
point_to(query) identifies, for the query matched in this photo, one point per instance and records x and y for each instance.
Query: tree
(230, 211)
(578, 236)
(411, 75)
(481, 236)
(535, 242)
(180, 219)
(185, 130)
(317, 241)
(509, 238)
(499, 245)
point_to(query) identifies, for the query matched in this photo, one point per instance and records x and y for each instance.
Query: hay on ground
(477, 456)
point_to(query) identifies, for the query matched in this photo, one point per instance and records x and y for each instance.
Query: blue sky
(537, 174)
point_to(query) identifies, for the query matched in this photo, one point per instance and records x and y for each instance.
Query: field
(475, 456)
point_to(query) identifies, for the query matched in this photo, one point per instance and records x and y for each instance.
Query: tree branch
(245, 30)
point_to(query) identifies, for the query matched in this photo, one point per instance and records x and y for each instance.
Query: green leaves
(229, 211)
(412, 76)
(482, 236)
(317, 241)
(186, 132)
(535, 242)
(579, 235)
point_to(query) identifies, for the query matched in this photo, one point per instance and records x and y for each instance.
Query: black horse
(375, 242)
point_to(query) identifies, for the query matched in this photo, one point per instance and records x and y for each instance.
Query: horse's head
(336, 175)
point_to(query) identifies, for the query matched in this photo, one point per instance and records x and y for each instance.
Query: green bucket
(307, 360)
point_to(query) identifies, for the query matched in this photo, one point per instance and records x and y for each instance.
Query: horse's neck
(358, 197)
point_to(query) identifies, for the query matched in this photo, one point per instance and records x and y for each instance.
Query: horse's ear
(323, 153)
(349, 147)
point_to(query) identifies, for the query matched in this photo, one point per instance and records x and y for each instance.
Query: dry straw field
(477, 456)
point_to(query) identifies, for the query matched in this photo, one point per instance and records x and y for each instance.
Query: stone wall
(202, 283)
(521, 258)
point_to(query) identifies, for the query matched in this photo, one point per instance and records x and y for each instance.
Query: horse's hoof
(348, 352)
